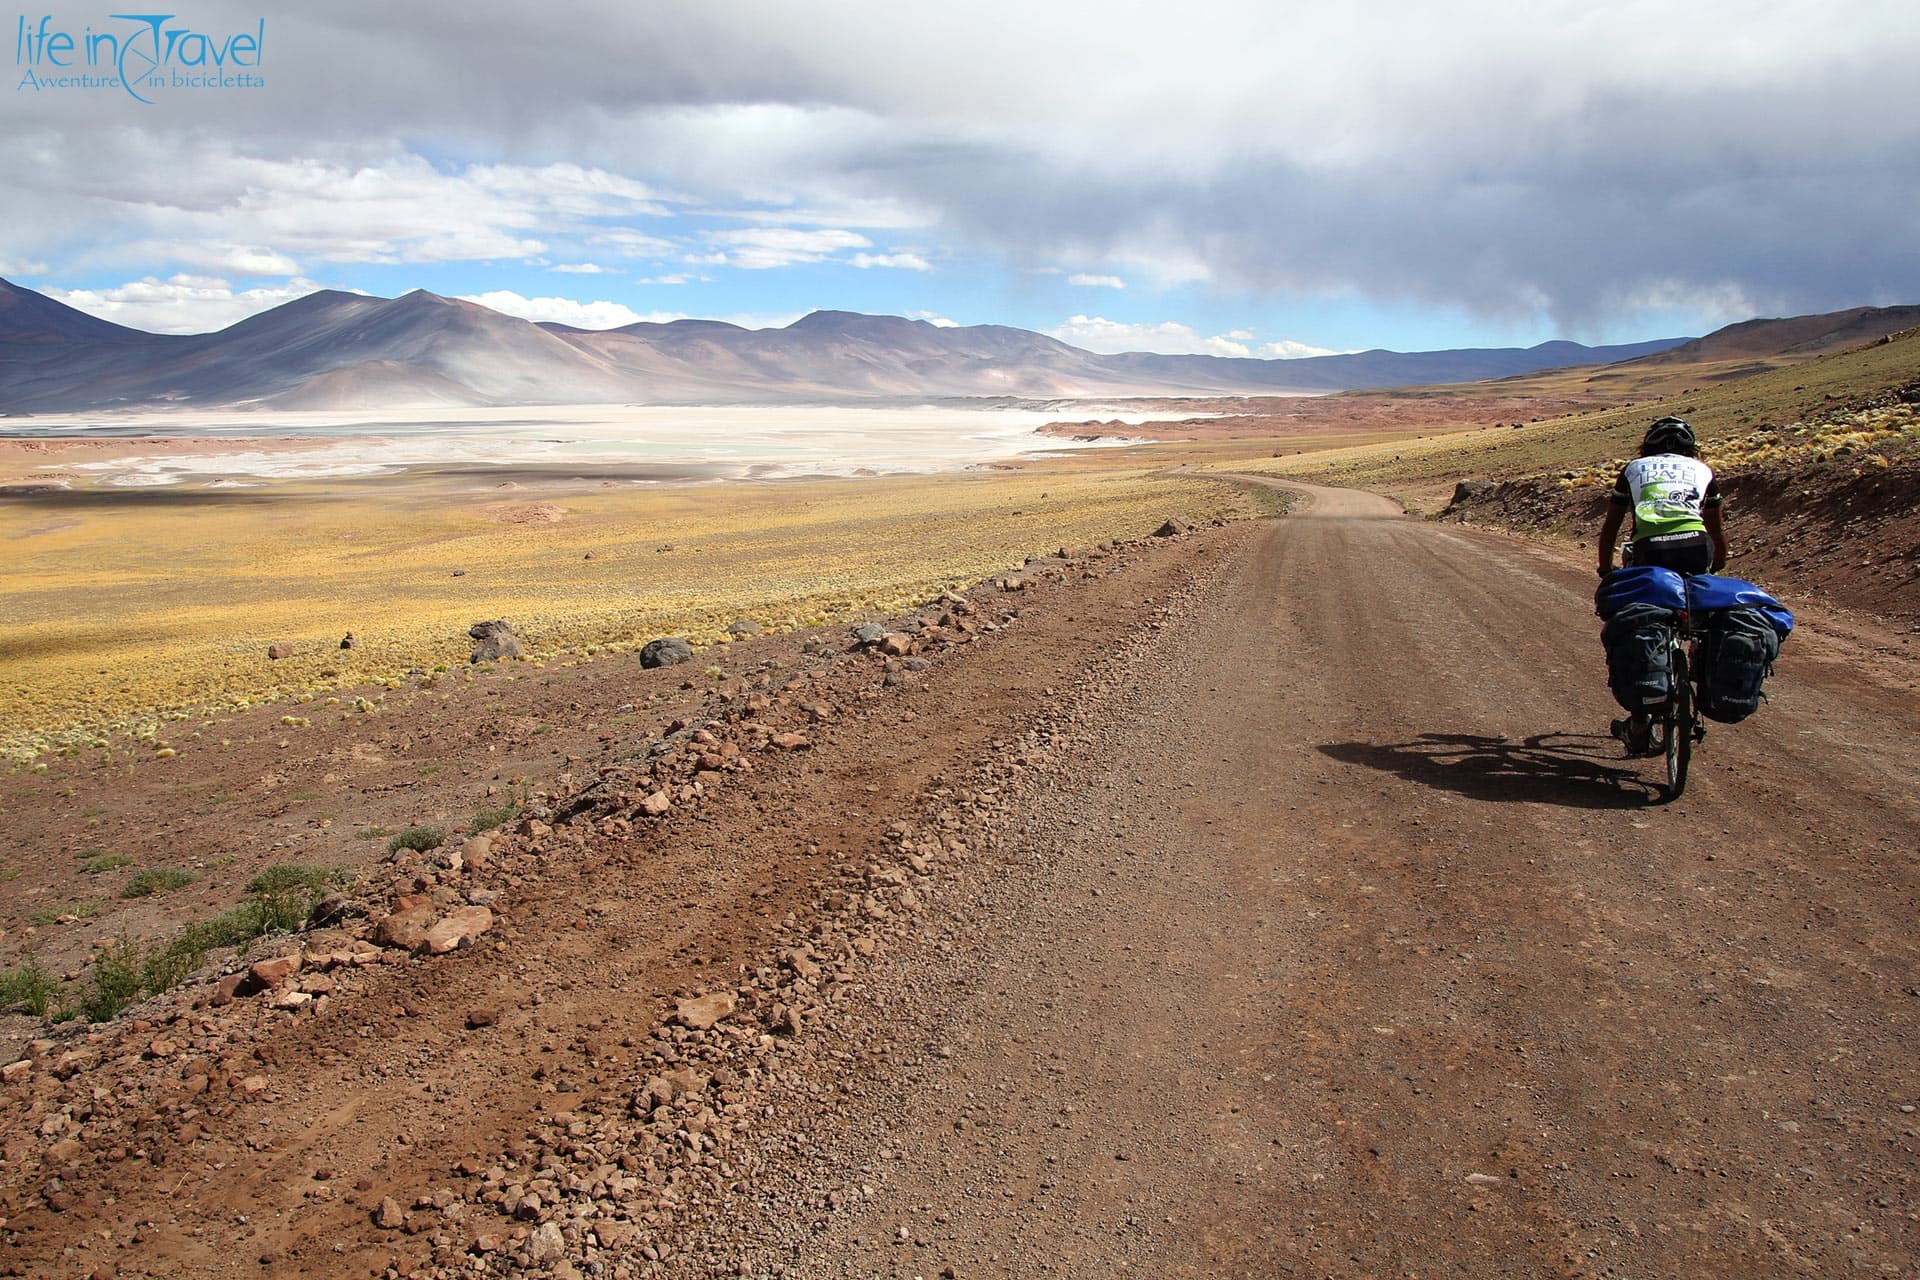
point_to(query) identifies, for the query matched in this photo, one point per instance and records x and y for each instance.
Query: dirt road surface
(1271, 903)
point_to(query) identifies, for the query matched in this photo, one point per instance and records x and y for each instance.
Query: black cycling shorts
(1680, 552)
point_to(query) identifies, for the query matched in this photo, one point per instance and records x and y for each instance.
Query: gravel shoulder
(1264, 901)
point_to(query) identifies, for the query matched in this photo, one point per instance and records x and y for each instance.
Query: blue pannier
(1640, 584)
(1707, 592)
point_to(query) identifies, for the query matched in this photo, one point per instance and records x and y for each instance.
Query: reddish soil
(1266, 901)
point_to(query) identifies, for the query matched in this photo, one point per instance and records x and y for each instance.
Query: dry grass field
(147, 611)
(1847, 401)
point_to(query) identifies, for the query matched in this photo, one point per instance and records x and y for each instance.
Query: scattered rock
(656, 804)
(273, 973)
(496, 641)
(275, 652)
(667, 651)
(546, 1245)
(784, 1020)
(405, 928)
(791, 741)
(869, 633)
(896, 644)
(389, 1216)
(743, 627)
(14, 1072)
(478, 1018)
(348, 642)
(1174, 527)
(699, 1013)
(458, 927)
(225, 990)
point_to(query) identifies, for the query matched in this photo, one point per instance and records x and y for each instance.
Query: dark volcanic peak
(325, 306)
(27, 316)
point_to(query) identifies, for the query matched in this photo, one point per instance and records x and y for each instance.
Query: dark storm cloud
(1578, 161)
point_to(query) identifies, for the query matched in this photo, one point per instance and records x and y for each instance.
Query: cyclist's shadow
(1547, 768)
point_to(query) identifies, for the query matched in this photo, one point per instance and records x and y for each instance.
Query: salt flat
(667, 443)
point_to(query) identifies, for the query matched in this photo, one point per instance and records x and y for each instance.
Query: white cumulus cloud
(897, 261)
(181, 303)
(1286, 349)
(1096, 282)
(581, 315)
(1166, 337)
(764, 248)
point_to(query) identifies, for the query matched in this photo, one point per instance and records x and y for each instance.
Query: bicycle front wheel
(1679, 725)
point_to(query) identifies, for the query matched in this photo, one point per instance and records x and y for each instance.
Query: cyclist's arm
(1717, 534)
(1610, 534)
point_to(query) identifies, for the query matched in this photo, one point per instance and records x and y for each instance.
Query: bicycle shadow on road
(1577, 770)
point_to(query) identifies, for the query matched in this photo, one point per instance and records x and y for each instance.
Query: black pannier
(1638, 670)
(1737, 655)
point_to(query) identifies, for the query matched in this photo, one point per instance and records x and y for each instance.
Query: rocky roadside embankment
(621, 1180)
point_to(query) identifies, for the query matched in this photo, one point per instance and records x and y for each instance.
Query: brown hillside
(1792, 338)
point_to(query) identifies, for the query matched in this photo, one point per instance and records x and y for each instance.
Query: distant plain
(155, 563)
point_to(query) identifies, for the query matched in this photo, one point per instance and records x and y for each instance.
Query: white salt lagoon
(639, 443)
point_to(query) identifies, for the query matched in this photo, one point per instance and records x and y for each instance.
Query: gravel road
(1270, 902)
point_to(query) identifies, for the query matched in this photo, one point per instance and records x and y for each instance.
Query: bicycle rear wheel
(1678, 721)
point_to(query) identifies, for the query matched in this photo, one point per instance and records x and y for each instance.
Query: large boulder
(1468, 490)
(495, 641)
(667, 651)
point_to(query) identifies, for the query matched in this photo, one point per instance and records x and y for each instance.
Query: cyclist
(1675, 503)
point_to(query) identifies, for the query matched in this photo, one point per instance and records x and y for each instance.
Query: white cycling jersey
(1667, 492)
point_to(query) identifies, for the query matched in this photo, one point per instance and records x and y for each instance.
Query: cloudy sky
(1262, 177)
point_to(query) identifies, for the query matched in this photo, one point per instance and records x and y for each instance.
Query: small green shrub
(107, 862)
(29, 984)
(8, 873)
(287, 893)
(497, 816)
(419, 839)
(157, 880)
(167, 966)
(114, 981)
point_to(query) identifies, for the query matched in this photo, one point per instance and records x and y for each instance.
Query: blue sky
(1228, 177)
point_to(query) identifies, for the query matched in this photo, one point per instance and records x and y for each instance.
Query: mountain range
(334, 350)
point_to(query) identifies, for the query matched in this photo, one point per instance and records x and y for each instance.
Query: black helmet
(1669, 435)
